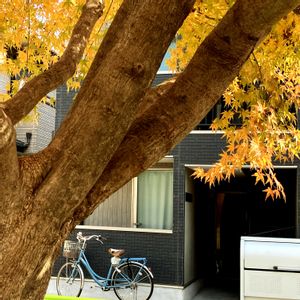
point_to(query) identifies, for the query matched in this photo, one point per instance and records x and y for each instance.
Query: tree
(118, 125)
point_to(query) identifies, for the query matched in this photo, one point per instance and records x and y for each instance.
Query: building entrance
(238, 208)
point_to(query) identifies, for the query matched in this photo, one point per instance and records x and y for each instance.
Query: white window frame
(166, 159)
(134, 202)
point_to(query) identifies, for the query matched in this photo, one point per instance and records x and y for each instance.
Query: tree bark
(105, 141)
(9, 174)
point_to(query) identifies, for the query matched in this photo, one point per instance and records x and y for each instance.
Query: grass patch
(56, 297)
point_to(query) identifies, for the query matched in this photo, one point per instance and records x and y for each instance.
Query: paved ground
(160, 293)
(92, 290)
(214, 293)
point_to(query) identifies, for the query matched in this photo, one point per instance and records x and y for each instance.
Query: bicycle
(130, 278)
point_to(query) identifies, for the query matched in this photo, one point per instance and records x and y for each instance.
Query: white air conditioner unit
(270, 268)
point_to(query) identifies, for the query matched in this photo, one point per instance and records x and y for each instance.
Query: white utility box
(270, 268)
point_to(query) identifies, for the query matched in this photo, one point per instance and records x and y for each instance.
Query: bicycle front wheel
(132, 281)
(70, 279)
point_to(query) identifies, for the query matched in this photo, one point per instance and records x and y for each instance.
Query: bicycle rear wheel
(132, 281)
(70, 279)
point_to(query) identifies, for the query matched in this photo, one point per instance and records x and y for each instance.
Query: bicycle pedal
(104, 289)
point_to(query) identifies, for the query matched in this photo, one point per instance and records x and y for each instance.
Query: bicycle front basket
(71, 249)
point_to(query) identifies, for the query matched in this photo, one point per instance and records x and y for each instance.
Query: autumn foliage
(264, 97)
(37, 32)
(259, 120)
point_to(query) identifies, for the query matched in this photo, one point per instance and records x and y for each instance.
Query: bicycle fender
(128, 261)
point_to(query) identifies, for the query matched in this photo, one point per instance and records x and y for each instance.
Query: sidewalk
(55, 297)
(215, 294)
(91, 290)
(159, 293)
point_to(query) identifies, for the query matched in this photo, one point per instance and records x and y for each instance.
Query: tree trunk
(59, 179)
(105, 141)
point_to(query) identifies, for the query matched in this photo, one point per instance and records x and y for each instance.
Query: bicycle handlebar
(99, 238)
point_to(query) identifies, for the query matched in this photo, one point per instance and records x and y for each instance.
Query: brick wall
(162, 251)
(165, 252)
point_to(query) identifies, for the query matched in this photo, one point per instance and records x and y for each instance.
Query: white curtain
(155, 199)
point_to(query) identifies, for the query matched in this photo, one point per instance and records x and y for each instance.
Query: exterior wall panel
(4, 81)
(21, 129)
(42, 129)
(109, 213)
(46, 125)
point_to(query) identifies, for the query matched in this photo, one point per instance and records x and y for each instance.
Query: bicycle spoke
(69, 280)
(138, 284)
(141, 279)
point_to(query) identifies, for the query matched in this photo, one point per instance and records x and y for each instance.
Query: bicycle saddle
(116, 252)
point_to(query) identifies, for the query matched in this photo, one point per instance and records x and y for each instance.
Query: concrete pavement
(160, 292)
(90, 289)
(214, 293)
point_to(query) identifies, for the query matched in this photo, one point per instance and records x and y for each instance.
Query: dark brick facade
(165, 251)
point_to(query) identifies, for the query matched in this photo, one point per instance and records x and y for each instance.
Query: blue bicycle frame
(106, 282)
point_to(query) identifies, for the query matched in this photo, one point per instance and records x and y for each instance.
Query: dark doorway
(233, 209)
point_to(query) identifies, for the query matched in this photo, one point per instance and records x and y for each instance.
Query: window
(144, 202)
(155, 199)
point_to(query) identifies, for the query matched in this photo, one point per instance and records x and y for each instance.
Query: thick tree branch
(106, 105)
(215, 64)
(33, 91)
(9, 169)
(104, 81)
